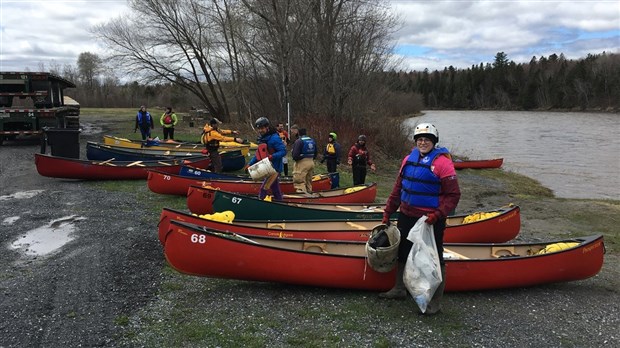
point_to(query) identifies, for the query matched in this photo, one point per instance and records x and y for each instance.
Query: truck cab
(30, 101)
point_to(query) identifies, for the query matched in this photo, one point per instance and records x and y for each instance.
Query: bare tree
(322, 53)
(175, 41)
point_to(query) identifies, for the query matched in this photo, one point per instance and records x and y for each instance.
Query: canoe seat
(274, 225)
(453, 255)
(356, 226)
(321, 246)
(503, 251)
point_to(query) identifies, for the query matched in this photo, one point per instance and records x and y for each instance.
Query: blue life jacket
(147, 121)
(420, 186)
(309, 147)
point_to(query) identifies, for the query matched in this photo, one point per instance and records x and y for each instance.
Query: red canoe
(200, 199)
(222, 255)
(478, 164)
(172, 184)
(500, 228)
(203, 252)
(495, 266)
(72, 168)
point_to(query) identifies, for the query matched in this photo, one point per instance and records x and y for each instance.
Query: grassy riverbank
(194, 312)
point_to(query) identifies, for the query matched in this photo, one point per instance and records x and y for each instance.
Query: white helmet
(427, 130)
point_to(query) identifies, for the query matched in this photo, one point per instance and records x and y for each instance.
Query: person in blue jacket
(304, 152)
(272, 147)
(144, 121)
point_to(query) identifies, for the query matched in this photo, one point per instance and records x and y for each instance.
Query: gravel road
(73, 295)
(106, 280)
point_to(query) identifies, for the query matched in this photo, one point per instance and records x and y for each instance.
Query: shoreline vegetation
(194, 311)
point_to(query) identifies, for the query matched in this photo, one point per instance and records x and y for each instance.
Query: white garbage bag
(422, 270)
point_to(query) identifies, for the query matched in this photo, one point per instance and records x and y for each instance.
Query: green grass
(121, 320)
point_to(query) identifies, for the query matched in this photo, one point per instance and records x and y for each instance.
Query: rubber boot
(434, 306)
(398, 291)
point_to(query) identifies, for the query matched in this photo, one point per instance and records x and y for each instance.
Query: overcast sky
(434, 34)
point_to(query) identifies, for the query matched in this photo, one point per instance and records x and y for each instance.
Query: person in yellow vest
(331, 155)
(211, 137)
(168, 120)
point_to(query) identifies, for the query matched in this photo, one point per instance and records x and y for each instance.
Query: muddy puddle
(10, 220)
(47, 239)
(21, 195)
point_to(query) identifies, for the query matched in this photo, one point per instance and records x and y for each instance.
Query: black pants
(146, 132)
(359, 175)
(332, 165)
(216, 160)
(169, 132)
(405, 223)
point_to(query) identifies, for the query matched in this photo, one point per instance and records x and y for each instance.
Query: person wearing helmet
(426, 186)
(304, 152)
(331, 155)
(359, 159)
(211, 137)
(286, 140)
(271, 146)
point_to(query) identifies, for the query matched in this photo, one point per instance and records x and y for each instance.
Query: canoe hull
(200, 199)
(201, 254)
(172, 184)
(165, 146)
(343, 229)
(168, 215)
(498, 229)
(102, 152)
(252, 208)
(512, 272)
(231, 160)
(479, 164)
(70, 168)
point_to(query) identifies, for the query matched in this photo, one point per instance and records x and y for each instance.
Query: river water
(577, 155)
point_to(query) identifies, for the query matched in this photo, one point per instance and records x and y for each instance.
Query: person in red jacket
(358, 159)
(426, 186)
(286, 139)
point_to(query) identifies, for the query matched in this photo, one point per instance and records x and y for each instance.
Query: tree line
(545, 83)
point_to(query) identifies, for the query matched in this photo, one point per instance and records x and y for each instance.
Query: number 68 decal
(198, 238)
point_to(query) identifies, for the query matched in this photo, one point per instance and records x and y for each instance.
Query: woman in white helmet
(426, 186)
